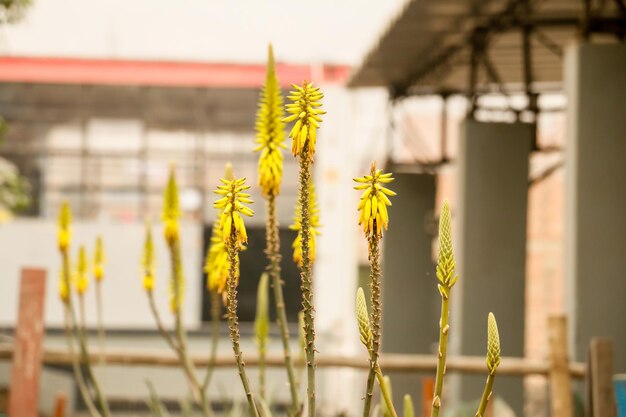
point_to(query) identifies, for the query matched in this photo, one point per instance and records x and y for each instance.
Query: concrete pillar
(410, 310)
(595, 83)
(491, 246)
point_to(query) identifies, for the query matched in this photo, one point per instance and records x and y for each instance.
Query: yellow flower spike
(171, 210)
(306, 100)
(216, 264)
(373, 215)
(82, 278)
(493, 344)
(64, 233)
(270, 138)
(365, 328)
(98, 260)
(314, 225)
(64, 291)
(147, 260)
(231, 205)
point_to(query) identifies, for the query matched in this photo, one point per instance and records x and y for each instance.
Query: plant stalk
(374, 258)
(233, 321)
(79, 331)
(216, 312)
(197, 392)
(482, 407)
(306, 279)
(273, 254)
(101, 333)
(441, 355)
(80, 380)
(385, 392)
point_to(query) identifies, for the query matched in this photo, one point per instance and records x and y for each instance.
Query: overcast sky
(331, 31)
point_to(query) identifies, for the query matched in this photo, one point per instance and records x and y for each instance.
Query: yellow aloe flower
(98, 260)
(232, 206)
(270, 138)
(216, 264)
(171, 210)
(82, 277)
(374, 201)
(147, 260)
(64, 233)
(304, 108)
(314, 225)
(64, 291)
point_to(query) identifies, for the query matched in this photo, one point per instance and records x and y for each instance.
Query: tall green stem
(216, 312)
(384, 389)
(273, 254)
(101, 334)
(374, 258)
(486, 395)
(80, 380)
(198, 393)
(441, 355)
(233, 320)
(306, 280)
(81, 336)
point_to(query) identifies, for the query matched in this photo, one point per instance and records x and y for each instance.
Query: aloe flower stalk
(171, 232)
(72, 329)
(305, 110)
(493, 361)
(366, 336)
(374, 219)
(314, 225)
(262, 329)
(98, 274)
(447, 278)
(270, 142)
(234, 235)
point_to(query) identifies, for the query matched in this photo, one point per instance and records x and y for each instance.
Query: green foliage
(13, 10)
(14, 189)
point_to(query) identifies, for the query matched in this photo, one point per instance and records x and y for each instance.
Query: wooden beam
(561, 402)
(600, 379)
(389, 362)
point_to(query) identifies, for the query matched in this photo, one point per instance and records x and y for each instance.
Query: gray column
(410, 311)
(491, 246)
(595, 82)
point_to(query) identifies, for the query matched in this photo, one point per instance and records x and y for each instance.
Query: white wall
(32, 243)
(331, 31)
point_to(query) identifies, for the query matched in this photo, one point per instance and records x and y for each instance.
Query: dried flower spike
(374, 201)
(231, 205)
(82, 278)
(270, 138)
(147, 260)
(304, 108)
(64, 233)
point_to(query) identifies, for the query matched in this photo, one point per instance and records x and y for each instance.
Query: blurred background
(512, 110)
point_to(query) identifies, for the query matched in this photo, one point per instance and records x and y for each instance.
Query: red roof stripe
(159, 73)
